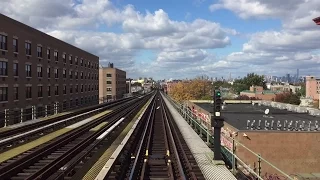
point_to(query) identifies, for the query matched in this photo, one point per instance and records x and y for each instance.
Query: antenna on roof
(278, 125)
(259, 124)
(252, 124)
(272, 123)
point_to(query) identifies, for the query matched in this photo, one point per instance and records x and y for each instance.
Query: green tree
(302, 91)
(251, 79)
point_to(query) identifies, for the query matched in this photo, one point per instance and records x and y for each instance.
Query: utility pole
(217, 123)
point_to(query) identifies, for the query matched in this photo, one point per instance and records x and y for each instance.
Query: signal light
(217, 103)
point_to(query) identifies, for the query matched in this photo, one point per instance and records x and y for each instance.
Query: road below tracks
(157, 150)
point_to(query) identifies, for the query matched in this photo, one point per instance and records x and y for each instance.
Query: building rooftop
(264, 91)
(247, 117)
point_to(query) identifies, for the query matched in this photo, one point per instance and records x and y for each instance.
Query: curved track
(23, 134)
(63, 153)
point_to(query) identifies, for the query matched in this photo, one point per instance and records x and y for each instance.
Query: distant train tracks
(60, 157)
(157, 150)
(20, 135)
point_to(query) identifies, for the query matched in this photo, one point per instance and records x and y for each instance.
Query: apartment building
(112, 83)
(39, 73)
(312, 87)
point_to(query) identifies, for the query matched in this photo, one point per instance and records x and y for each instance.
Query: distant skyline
(184, 38)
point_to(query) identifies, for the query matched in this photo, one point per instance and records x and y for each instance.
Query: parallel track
(23, 134)
(41, 162)
(159, 152)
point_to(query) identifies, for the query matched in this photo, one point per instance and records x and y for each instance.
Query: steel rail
(20, 164)
(73, 162)
(179, 144)
(27, 127)
(137, 157)
(173, 144)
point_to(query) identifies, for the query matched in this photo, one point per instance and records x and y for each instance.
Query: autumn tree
(192, 89)
(288, 97)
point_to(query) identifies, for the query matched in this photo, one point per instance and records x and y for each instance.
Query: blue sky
(184, 39)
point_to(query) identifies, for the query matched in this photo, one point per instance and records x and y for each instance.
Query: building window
(77, 88)
(15, 69)
(49, 91)
(3, 42)
(81, 75)
(109, 75)
(48, 53)
(76, 60)
(71, 89)
(39, 91)
(81, 62)
(81, 87)
(48, 72)
(76, 74)
(64, 58)
(88, 75)
(64, 73)
(109, 82)
(70, 74)
(109, 89)
(3, 68)
(39, 71)
(28, 70)
(70, 59)
(56, 73)
(15, 45)
(28, 48)
(16, 93)
(3, 94)
(55, 54)
(28, 92)
(64, 89)
(56, 90)
(39, 51)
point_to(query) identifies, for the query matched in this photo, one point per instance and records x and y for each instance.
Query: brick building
(289, 140)
(312, 87)
(112, 83)
(39, 73)
(258, 93)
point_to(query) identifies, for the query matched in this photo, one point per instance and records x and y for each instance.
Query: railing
(19, 115)
(237, 163)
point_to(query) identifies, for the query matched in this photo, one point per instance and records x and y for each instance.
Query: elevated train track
(26, 133)
(58, 158)
(157, 150)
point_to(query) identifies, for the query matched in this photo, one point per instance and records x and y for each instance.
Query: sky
(184, 38)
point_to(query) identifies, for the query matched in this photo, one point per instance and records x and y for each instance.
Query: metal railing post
(233, 157)
(21, 115)
(46, 110)
(5, 117)
(259, 164)
(32, 112)
(35, 112)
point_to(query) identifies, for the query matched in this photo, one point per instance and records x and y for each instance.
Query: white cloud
(85, 24)
(279, 51)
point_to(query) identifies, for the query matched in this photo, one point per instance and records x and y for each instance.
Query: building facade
(312, 87)
(112, 83)
(41, 75)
